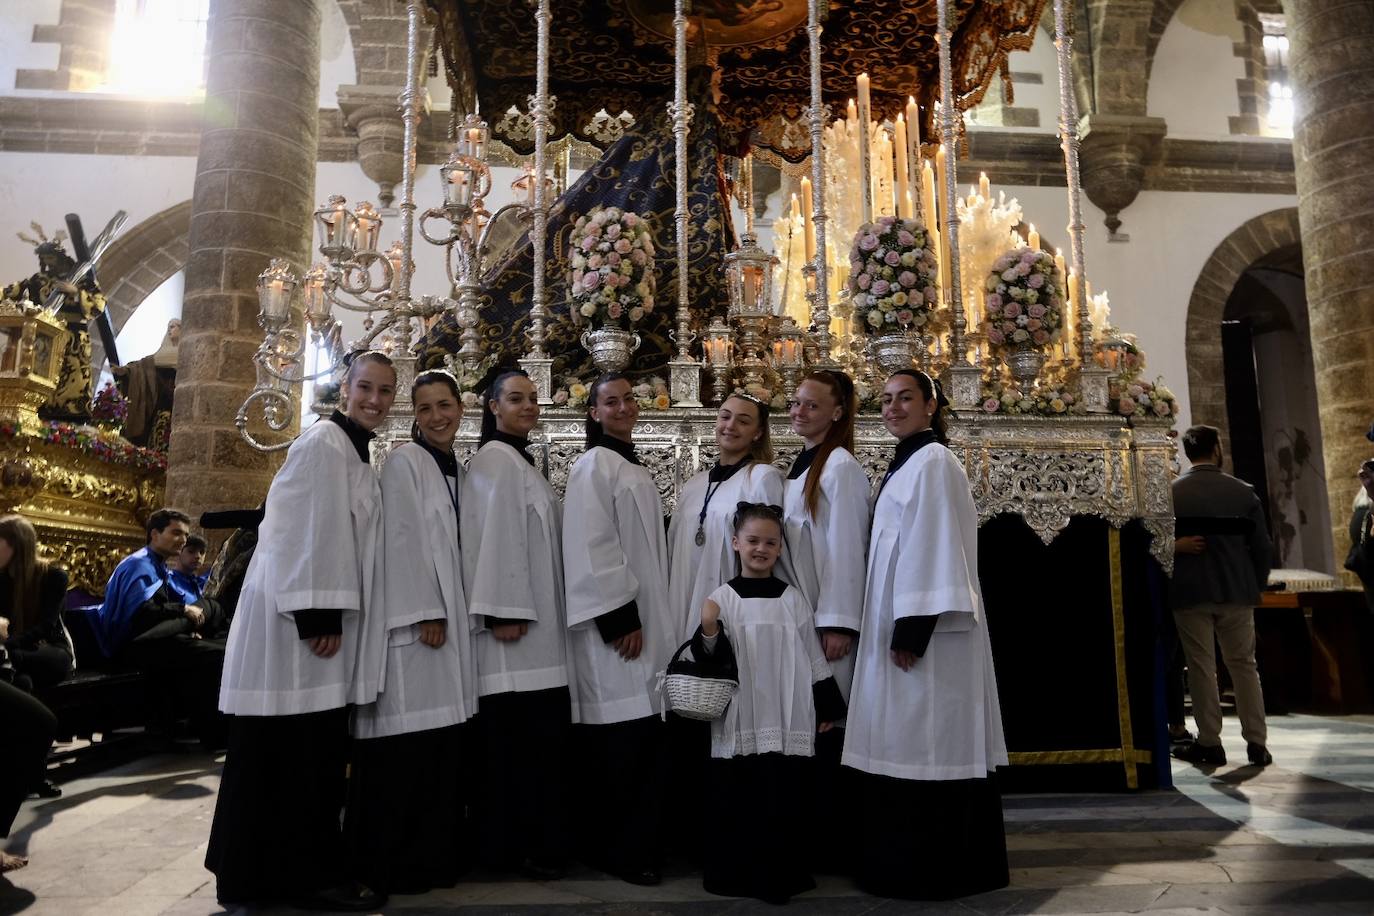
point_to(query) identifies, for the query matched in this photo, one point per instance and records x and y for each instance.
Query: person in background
(1360, 559)
(31, 598)
(1221, 563)
(27, 728)
(186, 569)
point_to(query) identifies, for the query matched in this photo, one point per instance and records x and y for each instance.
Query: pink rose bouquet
(892, 275)
(611, 260)
(1024, 304)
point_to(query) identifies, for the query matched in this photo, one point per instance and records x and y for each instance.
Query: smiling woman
(157, 47)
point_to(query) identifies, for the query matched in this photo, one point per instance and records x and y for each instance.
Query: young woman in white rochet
(615, 562)
(407, 818)
(825, 507)
(511, 523)
(292, 665)
(700, 533)
(924, 729)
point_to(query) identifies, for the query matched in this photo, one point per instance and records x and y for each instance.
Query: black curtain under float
(1051, 611)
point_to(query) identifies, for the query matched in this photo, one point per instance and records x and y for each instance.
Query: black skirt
(760, 821)
(920, 840)
(276, 833)
(522, 810)
(407, 823)
(617, 808)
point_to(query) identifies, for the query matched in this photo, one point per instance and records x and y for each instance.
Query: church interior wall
(1193, 79)
(17, 48)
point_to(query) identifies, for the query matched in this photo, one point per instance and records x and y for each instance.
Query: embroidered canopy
(617, 56)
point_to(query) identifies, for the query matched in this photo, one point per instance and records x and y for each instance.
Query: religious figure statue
(149, 384)
(81, 302)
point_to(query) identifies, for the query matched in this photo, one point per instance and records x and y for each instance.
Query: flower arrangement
(1139, 398)
(1024, 305)
(612, 277)
(650, 394)
(1002, 396)
(109, 406)
(102, 446)
(892, 272)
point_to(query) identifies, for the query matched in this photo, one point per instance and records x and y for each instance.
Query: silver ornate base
(1046, 470)
(540, 372)
(684, 382)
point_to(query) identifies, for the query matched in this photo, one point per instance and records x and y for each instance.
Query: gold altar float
(86, 490)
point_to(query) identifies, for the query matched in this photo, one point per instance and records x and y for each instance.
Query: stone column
(1332, 66)
(253, 200)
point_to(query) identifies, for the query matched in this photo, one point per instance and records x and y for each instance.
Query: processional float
(1064, 444)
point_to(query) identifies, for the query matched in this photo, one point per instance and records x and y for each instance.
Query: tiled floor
(1296, 838)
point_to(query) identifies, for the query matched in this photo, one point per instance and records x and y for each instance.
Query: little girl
(758, 798)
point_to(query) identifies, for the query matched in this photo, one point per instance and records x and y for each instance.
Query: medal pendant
(701, 536)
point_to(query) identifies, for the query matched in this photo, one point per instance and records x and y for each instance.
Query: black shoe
(542, 871)
(1200, 754)
(1183, 736)
(48, 789)
(1258, 754)
(349, 897)
(644, 877)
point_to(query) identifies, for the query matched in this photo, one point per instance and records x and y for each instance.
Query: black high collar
(519, 443)
(803, 462)
(745, 587)
(722, 472)
(622, 448)
(447, 461)
(908, 447)
(356, 434)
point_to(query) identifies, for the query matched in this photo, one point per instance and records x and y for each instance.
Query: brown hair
(23, 572)
(840, 434)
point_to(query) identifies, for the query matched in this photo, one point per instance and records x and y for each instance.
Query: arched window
(1276, 72)
(157, 47)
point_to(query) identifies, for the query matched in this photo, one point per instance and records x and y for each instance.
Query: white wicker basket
(695, 697)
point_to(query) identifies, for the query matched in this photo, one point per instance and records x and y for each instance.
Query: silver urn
(1025, 362)
(610, 347)
(890, 352)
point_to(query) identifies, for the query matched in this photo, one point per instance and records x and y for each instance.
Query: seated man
(186, 568)
(151, 621)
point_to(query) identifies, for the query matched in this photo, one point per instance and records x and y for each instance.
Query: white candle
(809, 227)
(903, 185)
(1033, 238)
(865, 152)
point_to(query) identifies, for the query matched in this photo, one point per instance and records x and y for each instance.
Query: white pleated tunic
(940, 720)
(615, 552)
(829, 551)
(513, 569)
(317, 548)
(779, 657)
(422, 579)
(696, 571)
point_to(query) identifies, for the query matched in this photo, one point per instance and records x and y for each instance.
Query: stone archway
(138, 262)
(1240, 250)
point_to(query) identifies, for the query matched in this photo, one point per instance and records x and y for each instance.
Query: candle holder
(716, 347)
(789, 355)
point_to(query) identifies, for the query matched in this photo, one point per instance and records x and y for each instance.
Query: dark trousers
(43, 666)
(27, 727)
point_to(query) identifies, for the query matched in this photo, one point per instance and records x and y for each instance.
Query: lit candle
(913, 155)
(807, 224)
(851, 112)
(942, 175)
(1033, 238)
(795, 209)
(928, 197)
(984, 186)
(865, 152)
(1059, 262)
(899, 153)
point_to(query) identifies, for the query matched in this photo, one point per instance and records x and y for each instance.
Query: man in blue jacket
(1222, 561)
